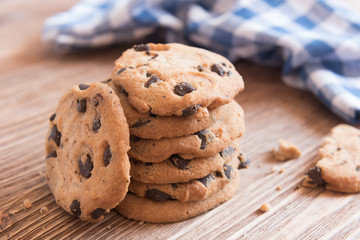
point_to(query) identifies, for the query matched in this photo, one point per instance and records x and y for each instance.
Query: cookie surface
(339, 166)
(194, 190)
(229, 126)
(176, 169)
(143, 209)
(172, 79)
(145, 125)
(87, 166)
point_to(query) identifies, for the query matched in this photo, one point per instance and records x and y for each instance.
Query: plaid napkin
(316, 42)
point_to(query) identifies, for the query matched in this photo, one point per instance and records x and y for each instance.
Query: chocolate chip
(107, 80)
(85, 165)
(55, 135)
(148, 74)
(202, 137)
(123, 91)
(200, 68)
(152, 115)
(120, 71)
(141, 47)
(148, 164)
(155, 56)
(140, 123)
(227, 152)
(107, 155)
(97, 99)
(96, 124)
(218, 174)
(75, 208)
(97, 213)
(224, 64)
(174, 186)
(244, 161)
(179, 162)
(205, 180)
(53, 116)
(228, 170)
(83, 86)
(338, 149)
(157, 195)
(229, 73)
(51, 155)
(218, 69)
(183, 88)
(187, 112)
(81, 105)
(153, 79)
(358, 168)
(315, 175)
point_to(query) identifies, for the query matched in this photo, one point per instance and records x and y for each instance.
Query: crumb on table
(27, 203)
(278, 188)
(265, 207)
(43, 210)
(286, 151)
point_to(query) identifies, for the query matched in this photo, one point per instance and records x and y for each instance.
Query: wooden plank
(32, 79)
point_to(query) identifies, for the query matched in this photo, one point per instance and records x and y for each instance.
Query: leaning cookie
(170, 79)
(87, 166)
(143, 209)
(176, 169)
(194, 190)
(339, 166)
(229, 126)
(146, 125)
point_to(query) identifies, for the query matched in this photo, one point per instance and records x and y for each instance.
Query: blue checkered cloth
(316, 42)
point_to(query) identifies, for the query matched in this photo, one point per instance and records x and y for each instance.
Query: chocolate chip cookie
(146, 125)
(176, 169)
(229, 126)
(87, 166)
(194, 190)
(174, 79)
(339, 166)
(144, 209)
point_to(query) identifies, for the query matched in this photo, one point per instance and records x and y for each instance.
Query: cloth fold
(315, 42)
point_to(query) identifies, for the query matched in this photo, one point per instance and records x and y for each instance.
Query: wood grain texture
(33, 78)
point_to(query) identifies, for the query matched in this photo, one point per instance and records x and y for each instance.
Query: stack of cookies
(184, 127)
(173, 105)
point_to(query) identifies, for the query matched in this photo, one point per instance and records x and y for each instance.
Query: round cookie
(194, 190)
(173, 79)
(143, 209)
(87, 166)
(338, 168)
(146, 125)
(229, 126)
(176, 169)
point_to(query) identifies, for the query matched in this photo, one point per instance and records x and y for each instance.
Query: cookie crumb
(279, 188)
(286, 151)
(265, 207)
(282, 170)
(43, 210)
(141, 223)
(27, 203)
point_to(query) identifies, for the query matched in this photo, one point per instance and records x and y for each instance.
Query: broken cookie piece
(338, 168)
(286, 151)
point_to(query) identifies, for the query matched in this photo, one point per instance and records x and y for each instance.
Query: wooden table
(32, 79)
